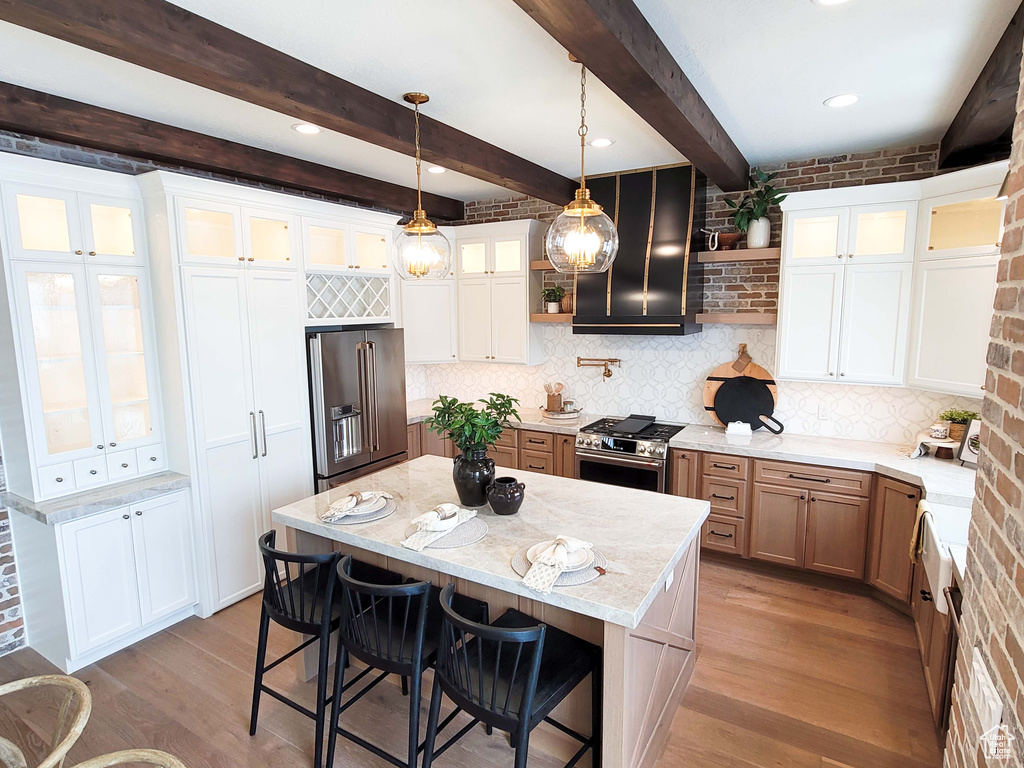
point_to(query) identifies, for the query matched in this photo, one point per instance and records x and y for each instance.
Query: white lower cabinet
(94, 585)
(951, 324)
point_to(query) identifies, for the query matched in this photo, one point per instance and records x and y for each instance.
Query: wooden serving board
(743, 365)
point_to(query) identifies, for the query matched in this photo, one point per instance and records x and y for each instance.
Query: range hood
(653, 287)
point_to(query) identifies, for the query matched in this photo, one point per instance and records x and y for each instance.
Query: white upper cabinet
(809, 323)
(966, 223)
(429, 317)
(874, 233)
(876, 308)
(816, 237)
(112, 229)
(210, 233)
(334, 245)
(43, 223)
(498, 255)
(270, 239)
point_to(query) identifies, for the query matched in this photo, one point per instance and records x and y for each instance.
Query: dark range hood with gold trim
(653, 286)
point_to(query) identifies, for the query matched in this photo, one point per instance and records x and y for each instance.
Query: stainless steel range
(630, 452)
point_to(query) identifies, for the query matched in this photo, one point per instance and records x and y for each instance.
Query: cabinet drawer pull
(723, 498)
(810, 479)
(535, 442)
(531, 466)
(124, 466)
(713, 532)
(725, 466)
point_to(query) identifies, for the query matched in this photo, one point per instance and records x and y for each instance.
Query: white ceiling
(763, 66)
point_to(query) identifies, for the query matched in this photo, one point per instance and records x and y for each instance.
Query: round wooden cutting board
(741, 366)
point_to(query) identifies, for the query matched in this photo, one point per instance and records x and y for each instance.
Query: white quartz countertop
(944, 481)
(643, 534)
(85, 503)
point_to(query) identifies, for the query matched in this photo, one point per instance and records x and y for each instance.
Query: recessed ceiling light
(307, 128)
(829, 2)
(436, 169)
(601, 143)
(842, 100)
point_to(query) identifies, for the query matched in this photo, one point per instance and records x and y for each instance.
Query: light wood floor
(787, 675)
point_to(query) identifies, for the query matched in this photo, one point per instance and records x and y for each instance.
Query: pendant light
(583, 238)
(423, 252)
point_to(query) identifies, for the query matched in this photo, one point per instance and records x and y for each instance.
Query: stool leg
(522, 746)
(432, 718)
(340, 663)
(321, 696)
(415, 683)
(261, 659)
(596, 714)
(405, 686)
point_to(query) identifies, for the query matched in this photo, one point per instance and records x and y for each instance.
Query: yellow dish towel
(915, 538)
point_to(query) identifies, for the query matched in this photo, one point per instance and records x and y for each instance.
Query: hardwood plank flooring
(787, 674)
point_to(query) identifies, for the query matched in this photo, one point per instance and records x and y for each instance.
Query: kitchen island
(642, 612)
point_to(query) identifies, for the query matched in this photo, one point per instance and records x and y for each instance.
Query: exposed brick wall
(992, 625)
(752, 287)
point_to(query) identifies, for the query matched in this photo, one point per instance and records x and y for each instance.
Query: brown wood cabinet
(413, 434)
(778, 524)
(683, 471)
(433, 444)
(837, 534)
(810, 477)
(536, 441)
(727, 497)
(894, 511)
(565, 455)
(720, 465)
(934, 641)
(504, 456)
(536, 461)
(724, 534)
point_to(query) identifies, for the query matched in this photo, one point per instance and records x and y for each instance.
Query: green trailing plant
(756, 203)
(473, 425)
(958, 416)
(554, 293)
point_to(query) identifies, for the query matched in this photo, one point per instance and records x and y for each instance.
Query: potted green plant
(473, 428)
(750, 214)
(958, 420)
(552, 297)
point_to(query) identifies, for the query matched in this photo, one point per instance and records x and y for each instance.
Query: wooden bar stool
(299, 594)
(393, 630)
(510, 675)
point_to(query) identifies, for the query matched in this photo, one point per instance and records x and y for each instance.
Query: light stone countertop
(944, 481)
(643, 534)
(78, 505)
(532, 418)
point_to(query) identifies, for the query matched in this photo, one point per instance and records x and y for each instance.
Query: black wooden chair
(392, 630)
(299, 594)
(510, 675)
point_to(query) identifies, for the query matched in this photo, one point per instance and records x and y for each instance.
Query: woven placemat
(369, 517)
(470, 532)
(520, 564)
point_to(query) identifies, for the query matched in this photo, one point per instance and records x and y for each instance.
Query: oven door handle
(620, 459)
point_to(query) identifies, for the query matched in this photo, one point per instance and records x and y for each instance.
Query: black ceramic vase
(472, 473)
(505, 495)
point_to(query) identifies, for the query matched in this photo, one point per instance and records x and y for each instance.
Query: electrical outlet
(822, 413)
(671, 578)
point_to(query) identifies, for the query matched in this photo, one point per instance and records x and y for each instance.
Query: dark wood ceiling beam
(982, 130)
(165, 38)
(40, 114)
(620, 47)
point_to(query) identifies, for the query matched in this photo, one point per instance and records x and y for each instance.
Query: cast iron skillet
(744, 398)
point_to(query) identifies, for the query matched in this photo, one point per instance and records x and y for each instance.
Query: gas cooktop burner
(636, 428)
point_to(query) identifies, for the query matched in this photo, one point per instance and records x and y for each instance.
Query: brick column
(993, 619)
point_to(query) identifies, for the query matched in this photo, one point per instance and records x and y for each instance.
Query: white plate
(578, 560)
(367, 508)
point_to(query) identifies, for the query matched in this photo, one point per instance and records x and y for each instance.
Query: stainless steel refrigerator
(357, 395)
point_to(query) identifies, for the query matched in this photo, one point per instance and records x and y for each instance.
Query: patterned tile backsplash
(664, 376)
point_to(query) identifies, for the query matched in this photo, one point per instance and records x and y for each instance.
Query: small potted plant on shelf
(552, 297)
(750, 214)
(473, 428)
(958, 420)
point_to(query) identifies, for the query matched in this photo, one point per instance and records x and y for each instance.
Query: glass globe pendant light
(423, 252)
(583, 238)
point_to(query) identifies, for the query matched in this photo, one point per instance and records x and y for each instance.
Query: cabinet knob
(78, 253)
(842, 374)
(813, 499)
(830, 373)
(92, 471)
(839, 255)
(60, 479)
(152, 458)
(138, 512)
(99, 447)
(124, 466)
(92, 253)
(802, 497)
(124, 516)
(251, 258)
(113, 445)
(241, 258)
(850, 256)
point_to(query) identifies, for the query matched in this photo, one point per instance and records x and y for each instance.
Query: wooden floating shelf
(737, 318)
(549, 317)
(739, 254)
(544, 265)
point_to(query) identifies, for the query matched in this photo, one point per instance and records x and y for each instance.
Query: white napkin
(354, 504)
(551, 562)
(432, 525)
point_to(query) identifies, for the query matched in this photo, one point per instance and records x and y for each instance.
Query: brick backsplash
(992, 625)
(754, 286)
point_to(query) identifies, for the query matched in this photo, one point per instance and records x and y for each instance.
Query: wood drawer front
(721, 465)
(537, 441)
(727, 497)
(535, 461)
(812, 477)
(504, 456)
(509, 438)
(724, 534)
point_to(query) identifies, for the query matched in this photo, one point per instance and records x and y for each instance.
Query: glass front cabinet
(81, 311)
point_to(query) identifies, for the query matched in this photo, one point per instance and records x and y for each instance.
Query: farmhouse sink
(944, 526)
